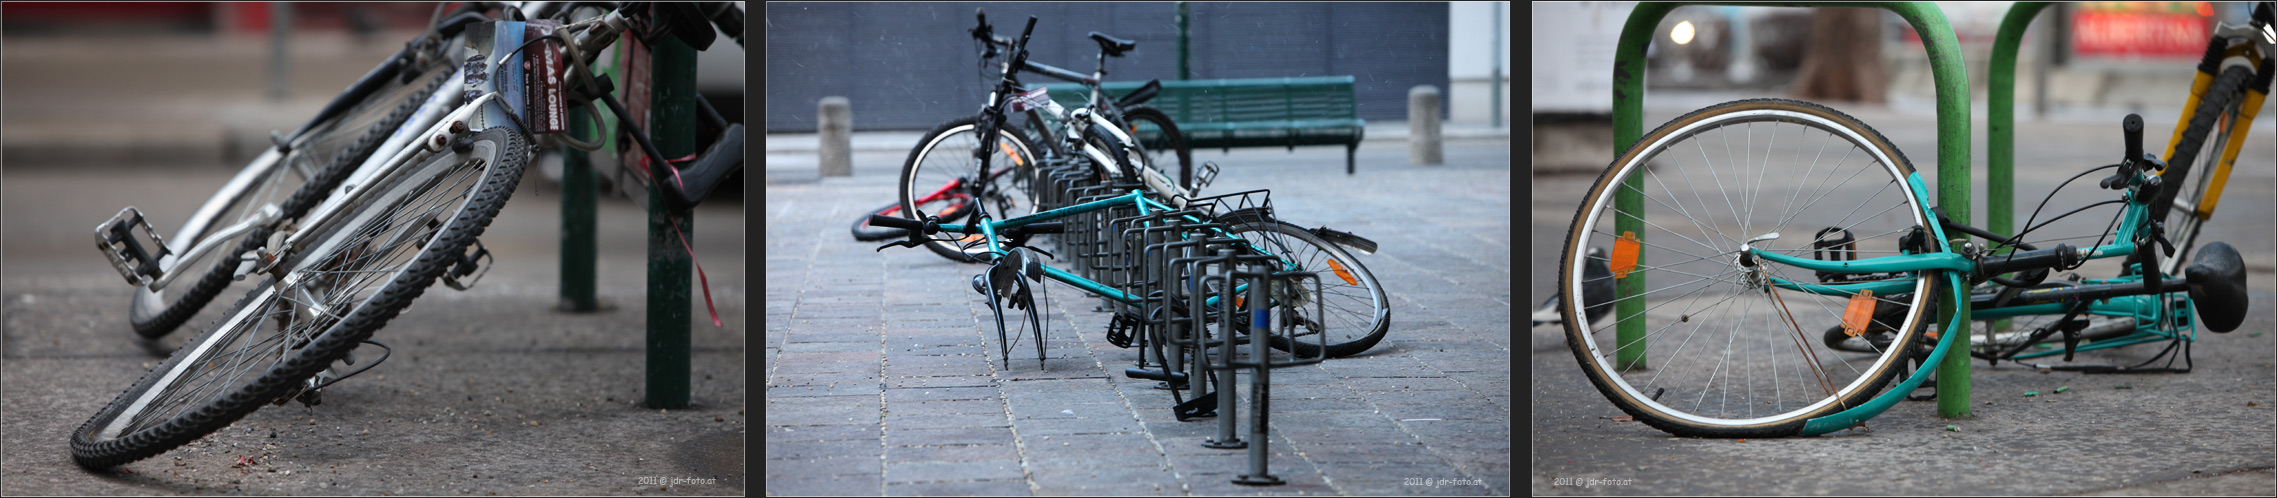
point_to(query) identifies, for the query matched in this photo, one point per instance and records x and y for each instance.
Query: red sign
(2139, 35)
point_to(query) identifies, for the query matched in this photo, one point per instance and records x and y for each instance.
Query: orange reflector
(1625, 254)
(1859, 313)
(1016, 160)
(1343, 273)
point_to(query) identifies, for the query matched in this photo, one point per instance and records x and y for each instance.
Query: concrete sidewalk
(486, 389)
(884, 376)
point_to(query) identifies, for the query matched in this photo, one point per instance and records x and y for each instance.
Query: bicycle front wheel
(296, 181)
(361, 270)
(2195, 159)
(942, 172)
(1358, 312)
(1705, 343)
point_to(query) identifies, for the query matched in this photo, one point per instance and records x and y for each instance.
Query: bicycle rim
(1357, 312)
(1714, 350)
(324, 158)
(944, 159)
(2182, 221)
(365, 269)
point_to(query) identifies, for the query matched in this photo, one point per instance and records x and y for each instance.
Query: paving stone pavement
(883, 376)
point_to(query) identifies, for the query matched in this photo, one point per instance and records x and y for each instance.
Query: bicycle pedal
(1119, 331)
(116, 239)
(1203, 405)
(467, 265)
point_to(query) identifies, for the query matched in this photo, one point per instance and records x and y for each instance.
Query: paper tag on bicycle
(1859, 314)
(1625, 254)
(1037, 97)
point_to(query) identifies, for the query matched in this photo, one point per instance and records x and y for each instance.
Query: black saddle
(1114, 47)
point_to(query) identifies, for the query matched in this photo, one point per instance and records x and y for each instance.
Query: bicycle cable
(2019, 236)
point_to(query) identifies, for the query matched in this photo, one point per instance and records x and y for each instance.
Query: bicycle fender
(1852, 417)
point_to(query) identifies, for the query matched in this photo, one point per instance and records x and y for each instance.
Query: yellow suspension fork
(2253, 97)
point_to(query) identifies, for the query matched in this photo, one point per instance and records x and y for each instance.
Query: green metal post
(577, 221)
(2000, 137)
(1951, 80)
(672, 125)
(1183, 72)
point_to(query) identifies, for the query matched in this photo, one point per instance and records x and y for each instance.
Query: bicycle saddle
(1114, 47)
(2217, 287)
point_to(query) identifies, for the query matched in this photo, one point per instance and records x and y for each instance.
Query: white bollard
(1423, 126)
(836, 127)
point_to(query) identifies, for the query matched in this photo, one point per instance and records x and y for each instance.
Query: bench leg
(1348, 167)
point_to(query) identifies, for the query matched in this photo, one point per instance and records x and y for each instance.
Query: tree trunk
(1844, 61)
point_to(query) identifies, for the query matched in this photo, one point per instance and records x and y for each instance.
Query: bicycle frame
(2131, 223)
(2146, 308)
(988, 229)
(1108, 116)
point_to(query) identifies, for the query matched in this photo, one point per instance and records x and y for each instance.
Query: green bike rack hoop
(2000, 135)
(1953, 182)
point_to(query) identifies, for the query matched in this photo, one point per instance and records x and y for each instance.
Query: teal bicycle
(1753, 218)
(1702, 262)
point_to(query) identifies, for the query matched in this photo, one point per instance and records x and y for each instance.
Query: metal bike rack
(1263, 279)
(1953, 181)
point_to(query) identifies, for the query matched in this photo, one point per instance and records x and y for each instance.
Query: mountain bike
(1753, 223)
(400, 175)
(940, 175)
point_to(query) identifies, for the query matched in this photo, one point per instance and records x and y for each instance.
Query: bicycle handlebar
(933, 227)
(2132, 127)
(903, 223)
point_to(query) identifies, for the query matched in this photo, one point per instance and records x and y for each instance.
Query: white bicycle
(389, 187)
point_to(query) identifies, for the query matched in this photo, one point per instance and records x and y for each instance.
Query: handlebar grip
(894, 222)
(1031, 29)
(2261, 12)
(2133, 126)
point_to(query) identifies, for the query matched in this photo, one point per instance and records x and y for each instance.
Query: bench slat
(1253, 112)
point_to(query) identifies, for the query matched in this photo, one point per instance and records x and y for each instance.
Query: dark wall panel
(910, 66)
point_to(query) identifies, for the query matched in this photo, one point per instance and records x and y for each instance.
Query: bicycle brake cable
(2028, 227)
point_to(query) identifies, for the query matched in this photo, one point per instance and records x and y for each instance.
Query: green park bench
(1255, 112)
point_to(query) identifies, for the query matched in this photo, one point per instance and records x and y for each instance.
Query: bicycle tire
(157, 323)
(1020, 200)
(1172, 141)
(92, 444)
(1644, 158)
(2191, 155)
(1284, 238)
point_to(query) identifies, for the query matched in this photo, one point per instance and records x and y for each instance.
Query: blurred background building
(911, 66)
(2087, 60)
(182, 83)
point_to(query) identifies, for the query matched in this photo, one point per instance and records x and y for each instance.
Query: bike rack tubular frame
(1950, 75)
